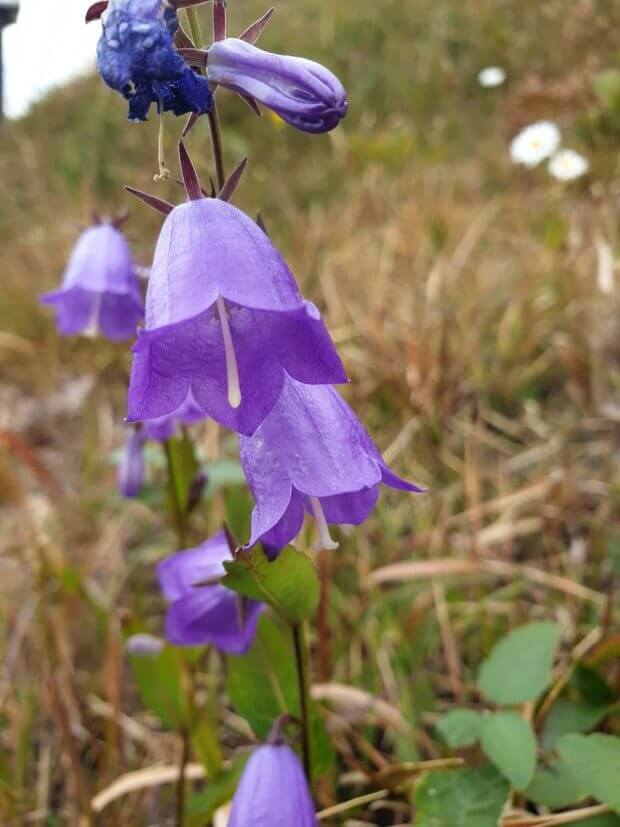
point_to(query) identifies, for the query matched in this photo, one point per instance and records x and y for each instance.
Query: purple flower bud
(312, 454)
(136, 57)
(303, 93)
(225, 322)
(144, 645)
(100, 293)
(273, 791)
(201, 610)
(132, 467)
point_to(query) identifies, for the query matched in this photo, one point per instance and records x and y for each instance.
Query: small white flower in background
(566, 165)
(536, 142)
(606, 265)
(491, 76)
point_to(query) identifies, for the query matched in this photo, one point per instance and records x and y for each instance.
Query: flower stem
(180, 792)
(180, 513)
(303, 677)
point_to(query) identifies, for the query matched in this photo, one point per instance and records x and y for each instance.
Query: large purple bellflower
(312, 454)
(201, 610)
(225, 322)
(100, 293)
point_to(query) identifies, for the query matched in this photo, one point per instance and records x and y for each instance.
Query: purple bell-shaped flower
(303, 93)
(136, 57)
(312, 454)
(225, 321)
(100, 293)
(273, 791)
(201, 610)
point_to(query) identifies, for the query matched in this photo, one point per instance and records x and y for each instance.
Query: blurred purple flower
(100, 293)
(132, 467)
(136, 57)
(201, 610)
(273, 791)
(303, 93)
(312, 454)
(225, 322)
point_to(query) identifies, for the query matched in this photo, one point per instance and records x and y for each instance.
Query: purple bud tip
(131, 470)
(144, 645)
(303, 93)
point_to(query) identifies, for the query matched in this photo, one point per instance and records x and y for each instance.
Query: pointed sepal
(219, 20)
(232, 182)
(190, 176)
(152, 201)
(247, 99)
(194, 57)
(255, 30)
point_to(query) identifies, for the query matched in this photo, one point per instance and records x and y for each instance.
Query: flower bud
(303, 93)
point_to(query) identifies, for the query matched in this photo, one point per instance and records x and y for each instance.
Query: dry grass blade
(144, 779)
(354, 699)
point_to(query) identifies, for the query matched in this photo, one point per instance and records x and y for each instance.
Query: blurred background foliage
(469, 302)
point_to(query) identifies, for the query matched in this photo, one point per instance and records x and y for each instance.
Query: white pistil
(325, 540)
(91, 330)
(232, 372)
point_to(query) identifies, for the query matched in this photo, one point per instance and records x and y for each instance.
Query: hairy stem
(303, 677)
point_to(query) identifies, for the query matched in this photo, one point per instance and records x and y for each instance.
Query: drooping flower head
(312, 455)
(136, 57)
(201, 610)
(303, 93)
(568, 164)
(100, 293)
(535, 143)
(273, 791)
(224, 321)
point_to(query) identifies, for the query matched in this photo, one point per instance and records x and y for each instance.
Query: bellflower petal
(136, 57)
(201, 612)
(311, 453)
(224, 322)
(100, 293)
(303, 93)
(273, 791)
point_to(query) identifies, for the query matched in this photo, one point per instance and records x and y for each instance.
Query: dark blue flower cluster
(136, 57)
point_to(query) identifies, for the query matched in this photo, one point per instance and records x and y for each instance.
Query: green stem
(180, 798)
(216, 140)
(180, 513)
(303, 678)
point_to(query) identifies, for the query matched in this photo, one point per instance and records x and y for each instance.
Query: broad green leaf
(595, 761)
(519, 666)
(289, 584)
(508, 741)
(460, 727)
(555, 787)
(592, 686)
(201, 806)
(607, 820)
(460, 798)
(159, 679)
(566, 717)
(262, 685)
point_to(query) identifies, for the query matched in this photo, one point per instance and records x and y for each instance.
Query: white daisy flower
(491, 76)
(566, 165)
(536, 142)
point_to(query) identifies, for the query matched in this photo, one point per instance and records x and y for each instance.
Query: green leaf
(289, 584)
(591, 685)
(607, 820)
(201, 806)
(460, 798)
(508, 741)
(159, 679)
(566, 717)
(262, 685)
(519, 666)
(555, 787)
(595, 761)
(460, 727)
